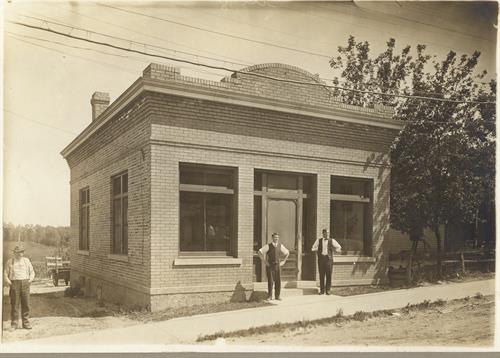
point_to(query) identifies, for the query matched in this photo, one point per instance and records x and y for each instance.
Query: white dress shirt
(19, 269)
(265, 249)
(336, 246)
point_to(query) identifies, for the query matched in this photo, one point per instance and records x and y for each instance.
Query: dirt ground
(53, 314)
(464, 323)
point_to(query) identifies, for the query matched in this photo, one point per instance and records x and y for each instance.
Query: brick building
(177, 183)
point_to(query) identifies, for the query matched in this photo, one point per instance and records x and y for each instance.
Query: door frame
(297, 196)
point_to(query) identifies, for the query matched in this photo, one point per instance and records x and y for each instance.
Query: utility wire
(55, 22)
(368, 10)
(249, 73)
(216, 32)
(137, 59)
(222, 59)
(141, 44)
(363, 24)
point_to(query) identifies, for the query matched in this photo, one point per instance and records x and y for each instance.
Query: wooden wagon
(58, 269)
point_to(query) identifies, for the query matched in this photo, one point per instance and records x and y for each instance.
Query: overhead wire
(217, 32)
(137, 43)
(15, 36)
(248, 73)
(141, 44)
(365, 9)
(222, 58)
(364, 25)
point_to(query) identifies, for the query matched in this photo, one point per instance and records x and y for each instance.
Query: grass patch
(338, 319)
(424, 305)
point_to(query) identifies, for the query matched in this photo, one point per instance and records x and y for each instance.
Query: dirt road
(458, 323)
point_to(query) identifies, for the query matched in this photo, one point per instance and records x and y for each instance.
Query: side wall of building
(121, 145)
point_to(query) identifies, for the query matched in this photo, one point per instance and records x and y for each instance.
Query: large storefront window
(207, 209)
(350, 214)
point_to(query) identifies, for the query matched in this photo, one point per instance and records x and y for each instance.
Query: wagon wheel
(55, 279)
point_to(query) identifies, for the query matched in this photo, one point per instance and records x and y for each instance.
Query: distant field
(35, 252)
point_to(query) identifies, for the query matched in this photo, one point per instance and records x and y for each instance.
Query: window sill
(207, 261)
(353, 258)
(83, 252)
(118, 257)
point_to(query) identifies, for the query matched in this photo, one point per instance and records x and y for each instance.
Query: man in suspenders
(325, 246)
(270, 255)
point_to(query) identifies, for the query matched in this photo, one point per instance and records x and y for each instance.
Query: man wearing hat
(18, 276)
(325, 246)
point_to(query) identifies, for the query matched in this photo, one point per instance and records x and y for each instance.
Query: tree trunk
(439, 270)
(447, 243)
(409, 265)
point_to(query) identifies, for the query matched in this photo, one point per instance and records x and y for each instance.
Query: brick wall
(121, 145)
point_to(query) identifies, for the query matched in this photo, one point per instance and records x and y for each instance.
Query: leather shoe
(278, 299)
(328, 293)
(27, 326)
(321, 293)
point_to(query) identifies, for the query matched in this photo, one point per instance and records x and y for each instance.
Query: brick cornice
(341, 112)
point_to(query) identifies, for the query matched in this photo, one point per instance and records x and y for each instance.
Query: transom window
(119, 215)
(207, 209)
(350, 214)
(83, 243)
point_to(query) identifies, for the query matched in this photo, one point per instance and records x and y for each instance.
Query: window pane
(218, 224)
(257, 223)
(257, 181)
(125, 183)
(191, 177)
(281, 181)
(125, 226)
(117, 225)
(88, 196)
(348, 224)
(117, 187)
(192, 222)
(219, 179)
(348, 187)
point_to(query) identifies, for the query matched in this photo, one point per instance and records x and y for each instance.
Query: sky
(49, 79)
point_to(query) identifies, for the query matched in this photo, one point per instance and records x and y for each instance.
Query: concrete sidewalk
(186, 330)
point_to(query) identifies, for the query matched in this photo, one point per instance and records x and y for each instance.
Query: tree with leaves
(443, 161)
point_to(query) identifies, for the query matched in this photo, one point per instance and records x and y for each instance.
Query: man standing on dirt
(325, 246)
(18, 275)
(270, 255)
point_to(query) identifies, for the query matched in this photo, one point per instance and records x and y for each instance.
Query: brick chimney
(99, 102)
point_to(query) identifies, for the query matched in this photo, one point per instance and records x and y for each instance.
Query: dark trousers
(325, 273)
(273, 276)
(20, 294)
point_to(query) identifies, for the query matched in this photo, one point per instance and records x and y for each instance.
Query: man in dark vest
(270, 255)
(325, 246)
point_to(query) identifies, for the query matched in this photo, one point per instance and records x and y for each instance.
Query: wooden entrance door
(280, 206)
(282, 218)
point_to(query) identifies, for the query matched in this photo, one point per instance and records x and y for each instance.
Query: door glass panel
(281, 218)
